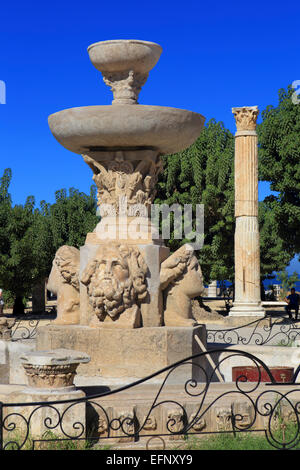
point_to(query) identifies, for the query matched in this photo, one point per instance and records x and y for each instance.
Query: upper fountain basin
(169, 130)
(124, 54)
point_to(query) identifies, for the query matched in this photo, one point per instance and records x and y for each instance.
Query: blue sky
(216, 55)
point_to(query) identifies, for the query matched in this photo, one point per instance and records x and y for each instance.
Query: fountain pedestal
(116, 280)
(128, 355)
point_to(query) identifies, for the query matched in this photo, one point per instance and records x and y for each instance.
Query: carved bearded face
(114, 280)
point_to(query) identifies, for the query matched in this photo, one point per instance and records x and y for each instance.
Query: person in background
(293, 301)
(1, 303)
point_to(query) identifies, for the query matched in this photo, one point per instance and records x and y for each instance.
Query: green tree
(204, 174)
(29, 236)
(5, 213)
(279, 163)
(72, 216)
(18, 266)
(43, 246)
(273, 254)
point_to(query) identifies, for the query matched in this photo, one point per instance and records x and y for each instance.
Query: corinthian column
(246, 242)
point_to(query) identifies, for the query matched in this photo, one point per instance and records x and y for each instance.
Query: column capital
(120, 175)
(245, 117)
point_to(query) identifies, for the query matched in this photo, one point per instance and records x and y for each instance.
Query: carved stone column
(246, 246)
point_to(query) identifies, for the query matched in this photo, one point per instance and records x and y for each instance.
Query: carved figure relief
(116, 285)
(198, 423)
(150, 424)
(64, 282)
(223, 419)
(100, 421)
(102, 425)
(175, 423)
(242, 415)
(181, 280)
(123, 424)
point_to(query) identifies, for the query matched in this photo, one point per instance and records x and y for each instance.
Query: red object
(280, 374)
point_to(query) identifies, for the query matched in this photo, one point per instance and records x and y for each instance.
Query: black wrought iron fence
(280, 331)
(174, 413)
(24, 329)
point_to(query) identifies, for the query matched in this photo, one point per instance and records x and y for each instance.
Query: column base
(247, 309)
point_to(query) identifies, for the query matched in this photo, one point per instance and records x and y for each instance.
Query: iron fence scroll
(280, 331)
(268, 408)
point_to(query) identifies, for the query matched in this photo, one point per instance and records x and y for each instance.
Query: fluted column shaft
(246, 242)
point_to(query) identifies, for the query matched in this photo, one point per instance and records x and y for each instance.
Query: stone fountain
(121, 298)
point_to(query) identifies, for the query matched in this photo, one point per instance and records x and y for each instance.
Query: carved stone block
(223, 418)
(52, 369)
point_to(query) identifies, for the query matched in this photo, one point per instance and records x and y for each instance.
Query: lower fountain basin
(168, 130)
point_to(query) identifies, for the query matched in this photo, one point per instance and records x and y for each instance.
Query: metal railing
(25, 327)
(270, 410)
(23, 330)
(280, 331)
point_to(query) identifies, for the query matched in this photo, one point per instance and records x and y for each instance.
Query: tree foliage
(17, 258)
(273, 254)
(279, 163)
(204, 174)
(30, 236)
(72, 216)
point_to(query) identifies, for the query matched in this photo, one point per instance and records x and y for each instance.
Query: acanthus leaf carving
(125, 85)
(245, 117)
(119, 178)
